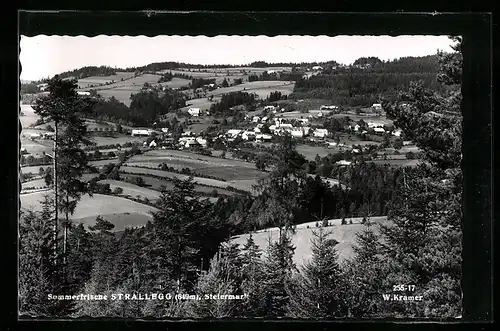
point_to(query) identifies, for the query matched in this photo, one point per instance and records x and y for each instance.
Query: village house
(355, 150)
(397, 133)
(194, 112)
(186, 134)
(343, 163)
(324, 107)
(83, 93)
(201, 141)
(140, 133)
(152, 144)
(256, 119)
(264, 119)
(379, 130)
(375, 124)
(317, 68)
(377, 106)
(320, 133)
(248, 135)
(256, 130)
(234, 132)
(164, 130)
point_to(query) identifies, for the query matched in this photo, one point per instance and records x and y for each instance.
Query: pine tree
(253, 275)
(317, 291)
(64, 106)
(174, 249)
(39, 272)
(427, 224)
(223, 277)
(278, 268)
(365, 276)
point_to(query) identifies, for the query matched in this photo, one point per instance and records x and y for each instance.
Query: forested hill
(370, 81)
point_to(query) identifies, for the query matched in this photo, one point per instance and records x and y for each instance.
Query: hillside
(344, 234)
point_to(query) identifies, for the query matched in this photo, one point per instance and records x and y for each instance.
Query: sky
(43, 56)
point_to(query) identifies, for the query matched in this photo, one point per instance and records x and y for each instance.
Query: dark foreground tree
(317, 291)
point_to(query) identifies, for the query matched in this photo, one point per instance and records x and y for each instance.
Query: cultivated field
(131, 189)
(176, 82)
(223, 168)
(37, 147)
(156, 184)
(202, 103)
(102, 80)
(310, 152)
(29, 117)
(344, 234)
(120, 211)
(261, 88)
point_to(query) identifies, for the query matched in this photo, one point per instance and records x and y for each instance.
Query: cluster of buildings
(41, 135)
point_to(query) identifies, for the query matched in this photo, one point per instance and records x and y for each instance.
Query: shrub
(350, 221)
(214, 193)
(118, 190)
(344, 222)
(317, 224)
(111, 154)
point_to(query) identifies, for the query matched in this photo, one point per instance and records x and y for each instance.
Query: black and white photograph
(240, 177)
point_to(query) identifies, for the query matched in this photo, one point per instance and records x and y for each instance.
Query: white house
(201, 141)
(343, 163)
(194, 111)
(356, 127)
(264, 119)
(377, 106)
(331, 144)
(164, 130)
(256, 130)
(248, 135)
(83, 93)
(269, 108)
(355, 150)
(234, 132)
(152, 144)
(375, 124)
(271, 71)
(328, 107)
(320, 133)
(192, 143)
(297, 133)
(35, 135)
(407, 143)
(316, 68)
(256, 119)
(397, 133)
(379, 130)
(140, 133)
(186, 133)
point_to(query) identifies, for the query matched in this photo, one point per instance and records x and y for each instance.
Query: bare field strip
(176, 82)
(136, 82)
(261, 88)
(167, 174)
(344, 234)
(98, 80)
(120, 211)
(156, 183)
(131, 189)
(189, 156)
(29, 117)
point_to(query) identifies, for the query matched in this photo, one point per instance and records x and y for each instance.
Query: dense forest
(229, 100)
(353, 86)
(144, 109)
(186, 248)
